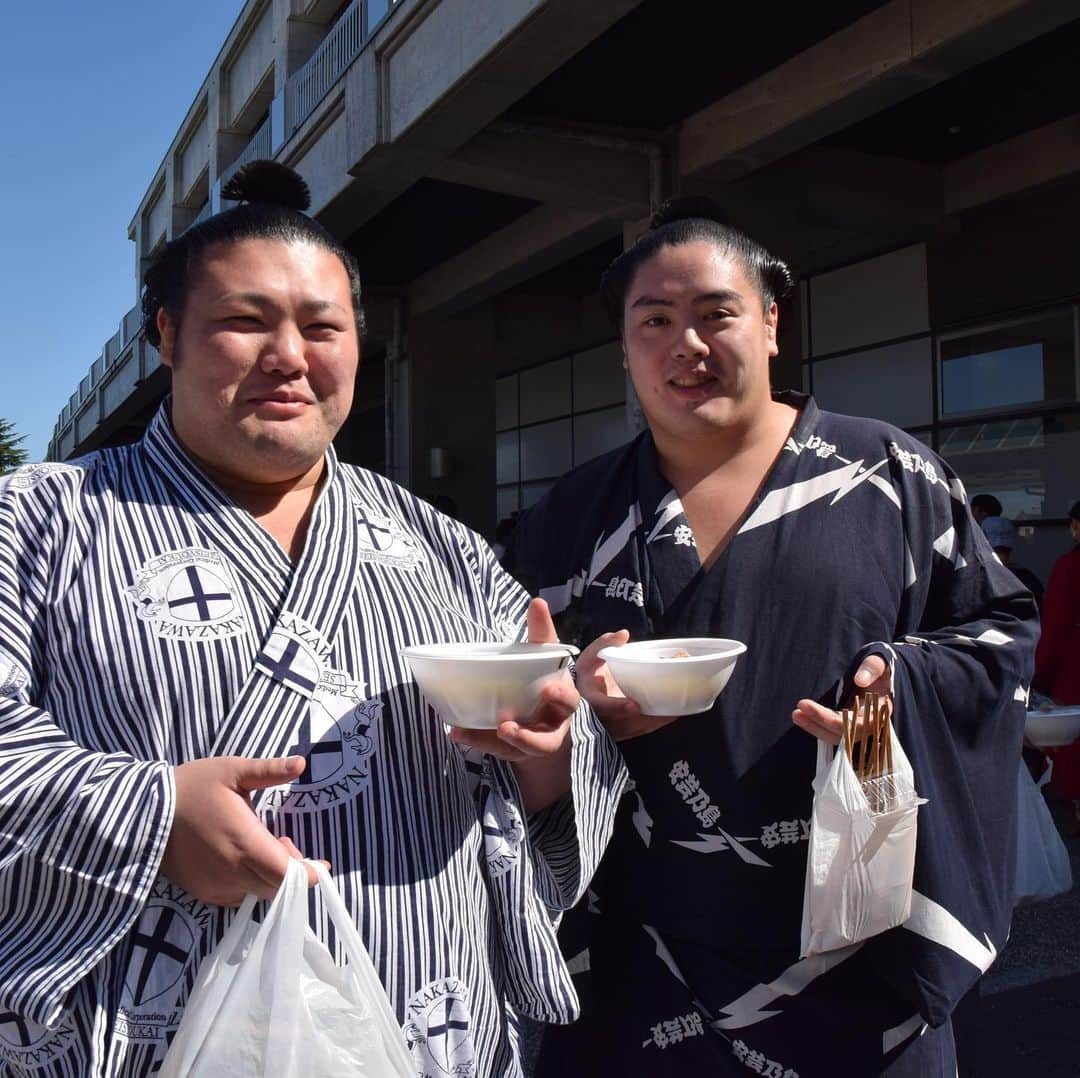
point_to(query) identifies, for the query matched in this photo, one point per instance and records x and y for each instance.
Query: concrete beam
(437, 73)
(885, 57)
(566, 168)
(1035, 157)
(541, 239)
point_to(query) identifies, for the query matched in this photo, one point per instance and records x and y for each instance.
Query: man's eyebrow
(725, 295)
(260, 299)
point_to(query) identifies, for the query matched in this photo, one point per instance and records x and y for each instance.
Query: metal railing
(308, 86)
(258, 149)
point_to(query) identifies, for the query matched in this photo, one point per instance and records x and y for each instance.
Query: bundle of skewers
(867, 741)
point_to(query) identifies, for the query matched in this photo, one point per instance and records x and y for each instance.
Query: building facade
(916, 163)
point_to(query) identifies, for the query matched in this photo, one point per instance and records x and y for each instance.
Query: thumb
(872, 667)
(541, 627)
(255, 774)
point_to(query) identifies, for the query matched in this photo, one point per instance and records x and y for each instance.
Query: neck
(686, 462)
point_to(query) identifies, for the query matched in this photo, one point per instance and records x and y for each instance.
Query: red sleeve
(1058, 614)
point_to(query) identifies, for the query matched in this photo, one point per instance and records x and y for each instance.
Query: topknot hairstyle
(689, 220)
(272, 199)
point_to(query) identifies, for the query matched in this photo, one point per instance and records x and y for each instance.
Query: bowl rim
(730, 649)
(485, 651)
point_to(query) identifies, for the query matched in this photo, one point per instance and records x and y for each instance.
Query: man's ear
(167, 332)
(772, 321)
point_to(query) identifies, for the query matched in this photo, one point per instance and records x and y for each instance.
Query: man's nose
(689, 345)
(284, 353)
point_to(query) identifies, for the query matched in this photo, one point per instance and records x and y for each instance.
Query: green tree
(11, 453)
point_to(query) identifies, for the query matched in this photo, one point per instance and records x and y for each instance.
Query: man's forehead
(698, 269)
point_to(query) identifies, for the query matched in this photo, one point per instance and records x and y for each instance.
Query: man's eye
(243, 320)
(719, 313)
(656, 320)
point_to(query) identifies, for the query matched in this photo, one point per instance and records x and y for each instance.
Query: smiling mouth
(692, 381)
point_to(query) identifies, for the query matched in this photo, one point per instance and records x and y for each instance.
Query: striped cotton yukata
(858, 542)
(146, 620)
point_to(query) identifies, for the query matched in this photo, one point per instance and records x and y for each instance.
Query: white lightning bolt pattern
(838, 482)
(664, 954)
(945, 543)
(611, 546)
(558, 596)
(666, 512)
(993, 637)
(747, 1009)
(1021, 694)
(642, 821)
(934, 922)
(910, 573)
(956, 489)
(721, 842)
(793, 446)
(580, 963)
(886, 488)
(898, 1034)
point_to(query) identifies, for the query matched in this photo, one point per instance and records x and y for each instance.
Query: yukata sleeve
(962, 667)
(547, 859)
(568, 837)
(82, 833)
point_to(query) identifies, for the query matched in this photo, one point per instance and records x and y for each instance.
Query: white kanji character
(709, 816)
(740, 1050)
(930, 471)
(804, 828)
(699, 802)
(673, 1030)
(789, 1073)
(789, 831)
(691, 1024)
(609, 591)
(659, 1036)
(688, 787)
(773, 1069)
(755, 1061)
(770, 836)
(679, 771)
(683, 536)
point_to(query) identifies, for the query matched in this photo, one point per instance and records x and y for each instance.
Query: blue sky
(93, 96)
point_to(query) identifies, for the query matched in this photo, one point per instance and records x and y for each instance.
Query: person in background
(1057, 658)
(983, 506)
(1002, 535)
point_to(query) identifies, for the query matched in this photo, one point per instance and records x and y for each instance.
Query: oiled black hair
(690, 220)
(988, 504)
(273, 198)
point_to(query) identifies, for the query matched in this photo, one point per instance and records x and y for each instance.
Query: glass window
(599, 377)
(506, 402)
(506, 457)
(598, 432)
(507, 501)
(893, 383)
(545, 391)
(531, 493)
(1029, 465)
(545, 450)
(1004, 366)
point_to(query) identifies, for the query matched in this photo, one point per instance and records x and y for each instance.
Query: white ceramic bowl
(652, 673)
(469, 684)
(1053, 727)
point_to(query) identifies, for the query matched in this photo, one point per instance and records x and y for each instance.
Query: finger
(529, 742)
(558, 701)
(296, 855)
(870, 670)
(818, 720)
(589, 659)
(541, 627)
(256, 774)
(486, 741)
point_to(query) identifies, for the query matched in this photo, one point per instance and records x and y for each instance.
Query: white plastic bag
(1042, 860)
(860, 863)
(269, 1002)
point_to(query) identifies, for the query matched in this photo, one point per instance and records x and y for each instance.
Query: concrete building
(916, 162)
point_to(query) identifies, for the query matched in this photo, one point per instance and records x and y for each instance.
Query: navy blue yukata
(687, 948)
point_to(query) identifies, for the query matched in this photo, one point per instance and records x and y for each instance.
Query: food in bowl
(683, 676)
